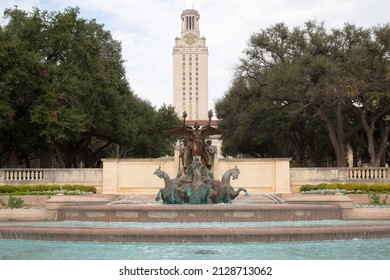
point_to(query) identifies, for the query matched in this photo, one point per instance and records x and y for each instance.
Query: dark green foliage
(359, 188)
(64, 94)
(375, 198)
(309, 93)
(35, 189)
(13, 202)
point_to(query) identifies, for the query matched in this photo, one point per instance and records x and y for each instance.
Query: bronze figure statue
(196, 141)
(195, 184)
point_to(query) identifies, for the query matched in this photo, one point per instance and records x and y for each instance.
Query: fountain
(196, 208)
(195, 183)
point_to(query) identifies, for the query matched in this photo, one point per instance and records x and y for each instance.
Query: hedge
(36, 189)
(362, 188)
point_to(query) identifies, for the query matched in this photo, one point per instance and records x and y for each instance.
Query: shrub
(375, 199)
(307, 187)
(46, 189)
(13, 202)
(349, 188)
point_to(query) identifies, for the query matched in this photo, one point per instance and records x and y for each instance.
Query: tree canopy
(64, 94)
(311, 93)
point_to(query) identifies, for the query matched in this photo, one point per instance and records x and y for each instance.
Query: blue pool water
(378, 249)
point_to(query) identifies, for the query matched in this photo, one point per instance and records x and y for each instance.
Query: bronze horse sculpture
(170, 193)
(222, 191)
(198, 188)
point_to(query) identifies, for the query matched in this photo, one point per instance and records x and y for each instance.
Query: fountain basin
(206, 233)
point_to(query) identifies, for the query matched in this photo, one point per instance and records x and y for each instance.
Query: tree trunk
(336, 136)
(27, 160)
(70, 159)
(44, 159)
(13, 159)
(369, 126)
(299, 147)
(354, 154)
(59, 157)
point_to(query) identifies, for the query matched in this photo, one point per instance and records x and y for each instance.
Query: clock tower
(190, 69)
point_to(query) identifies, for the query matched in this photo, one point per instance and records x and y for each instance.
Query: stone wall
(136, 175)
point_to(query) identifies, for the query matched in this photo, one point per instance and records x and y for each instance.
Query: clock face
(190, 39)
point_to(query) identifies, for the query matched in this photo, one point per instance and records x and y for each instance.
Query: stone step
(195, 235)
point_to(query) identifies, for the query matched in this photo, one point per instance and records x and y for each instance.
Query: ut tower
(190, 69)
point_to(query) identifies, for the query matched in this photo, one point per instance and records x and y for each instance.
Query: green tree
(6, 110)
(368, 66)
(310, 74)
(68, 92)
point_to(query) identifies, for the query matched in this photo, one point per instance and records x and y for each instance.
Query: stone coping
(343, 201)
(198, 207)
(23, 214)
(183, 235)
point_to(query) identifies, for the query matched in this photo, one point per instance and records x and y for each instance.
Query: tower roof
(190, 11)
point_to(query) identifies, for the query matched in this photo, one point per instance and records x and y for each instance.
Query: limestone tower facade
(190, 69)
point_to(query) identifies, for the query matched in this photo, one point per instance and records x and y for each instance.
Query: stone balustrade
(23, 174)
(323, 175)
(368, 173)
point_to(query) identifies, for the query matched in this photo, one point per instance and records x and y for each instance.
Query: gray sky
(147, 30)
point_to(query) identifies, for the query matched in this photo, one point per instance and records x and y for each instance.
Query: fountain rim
(199, 207)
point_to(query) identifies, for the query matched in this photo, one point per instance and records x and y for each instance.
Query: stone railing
(314, 176)
(50, 176)
(23, 174)
(368, 173)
